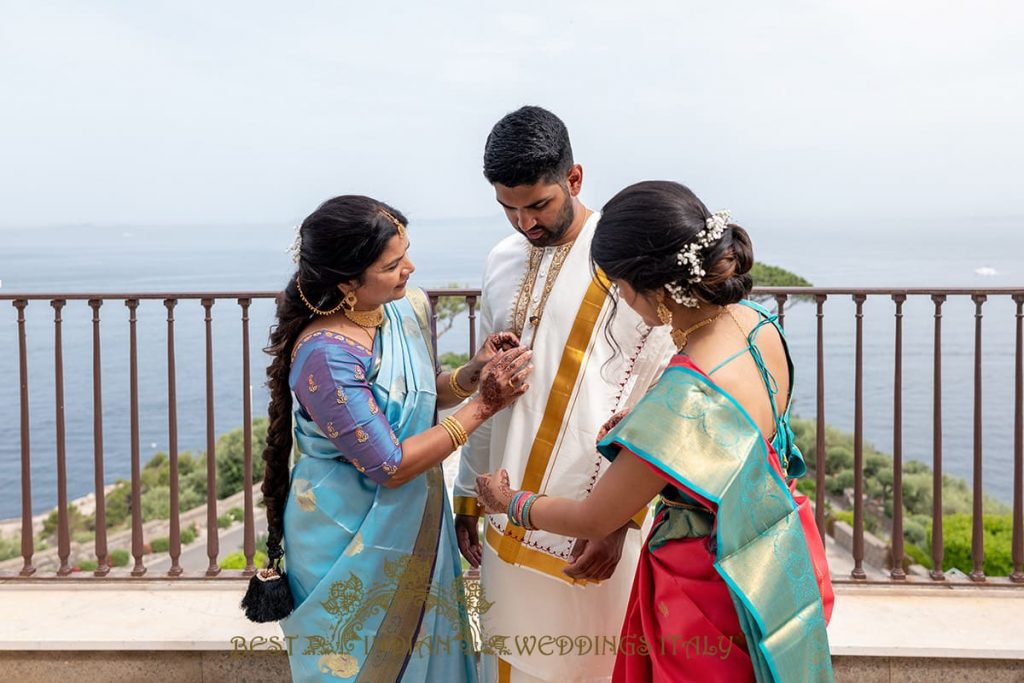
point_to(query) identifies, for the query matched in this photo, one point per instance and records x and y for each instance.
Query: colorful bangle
(513, 507)
(527, 509)
(456, 388)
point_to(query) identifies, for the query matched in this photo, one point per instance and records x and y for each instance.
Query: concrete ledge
(958, 622)
(141, 667)
(142, 630)
(151, 615)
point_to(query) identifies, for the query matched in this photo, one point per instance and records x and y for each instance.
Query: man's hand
(596, 560)
(468, 534)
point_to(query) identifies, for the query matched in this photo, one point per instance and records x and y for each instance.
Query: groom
(538, 284)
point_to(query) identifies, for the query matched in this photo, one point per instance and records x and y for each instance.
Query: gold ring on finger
(511, 384)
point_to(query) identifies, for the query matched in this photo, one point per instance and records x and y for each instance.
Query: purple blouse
(333, 390)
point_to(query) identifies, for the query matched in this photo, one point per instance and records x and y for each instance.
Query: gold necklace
(365, 319)
(681, 337)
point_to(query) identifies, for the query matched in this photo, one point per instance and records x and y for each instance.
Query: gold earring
(350, 300)
(664, 315)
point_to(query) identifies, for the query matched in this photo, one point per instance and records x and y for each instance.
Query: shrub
(914, 532)
(119, 558)
(9, 548)
(918, 555)
(160, 545)
(956, 539)
(156, 503)
(188, 534)
(236, 560)
(87, 565)
(451, 360)
(236, 514)
(806, 486)
(224, 521)
(77, 522)
(231, 458)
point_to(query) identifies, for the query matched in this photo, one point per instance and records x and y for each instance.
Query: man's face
(542, 212)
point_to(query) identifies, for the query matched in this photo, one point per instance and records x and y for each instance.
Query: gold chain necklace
(365, 319)
(681, 337)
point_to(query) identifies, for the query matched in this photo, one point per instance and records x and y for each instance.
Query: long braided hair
(338, 242)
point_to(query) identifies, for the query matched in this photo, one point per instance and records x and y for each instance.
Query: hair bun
(728, 269)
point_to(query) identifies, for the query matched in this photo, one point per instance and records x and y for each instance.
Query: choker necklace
(366, 319)
(681, 337)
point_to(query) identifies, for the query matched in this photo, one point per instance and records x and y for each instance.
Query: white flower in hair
(296, 247)
(690, 256)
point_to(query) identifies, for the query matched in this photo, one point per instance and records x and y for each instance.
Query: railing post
(27, 542)
(133, 355)
(858, 446)
(780, 305)
(937, 545)
(897, 572)
(819, 438)
(978, 513)
(174, 542)
(1017, 576)
(63, 532)
(434, 299)
(102, 555)
(249, 530)
(212, 532)
(471, 304)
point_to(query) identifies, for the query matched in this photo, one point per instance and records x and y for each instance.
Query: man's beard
(562, 224)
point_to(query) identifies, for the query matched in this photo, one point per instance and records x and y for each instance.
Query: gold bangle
(457, 427)
(453, 384)
(451, 434)
(455, 430)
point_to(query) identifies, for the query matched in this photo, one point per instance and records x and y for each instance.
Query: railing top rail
(464, 292)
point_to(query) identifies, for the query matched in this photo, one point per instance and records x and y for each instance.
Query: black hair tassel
(268, 597)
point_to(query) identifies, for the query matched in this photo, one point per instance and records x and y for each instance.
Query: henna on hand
(494, 492)
(610, 424)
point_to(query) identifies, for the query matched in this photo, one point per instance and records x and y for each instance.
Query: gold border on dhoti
(510, 546)
(466, 505)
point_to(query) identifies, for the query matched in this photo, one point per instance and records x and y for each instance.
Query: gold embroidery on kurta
(373, 406)
(340, 393)
(312, 384)
(331, 431)
(361, 435)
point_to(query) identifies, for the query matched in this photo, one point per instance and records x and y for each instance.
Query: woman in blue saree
(363, 521)
(732, 583)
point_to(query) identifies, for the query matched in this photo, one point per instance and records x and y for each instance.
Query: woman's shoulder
(329, 345)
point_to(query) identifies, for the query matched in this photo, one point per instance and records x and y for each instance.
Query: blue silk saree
(375, 571)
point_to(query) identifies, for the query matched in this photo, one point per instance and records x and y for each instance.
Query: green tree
(448, 308)
(765, 275)
(231, 458)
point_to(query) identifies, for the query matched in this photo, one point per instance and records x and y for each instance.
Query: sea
(979, 252)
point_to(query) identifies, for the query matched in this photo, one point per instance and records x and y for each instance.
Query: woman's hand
(469, 376)
(493, 492)
(610, 424)
(504, 380)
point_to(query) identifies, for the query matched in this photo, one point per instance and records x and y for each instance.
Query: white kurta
(579, 381)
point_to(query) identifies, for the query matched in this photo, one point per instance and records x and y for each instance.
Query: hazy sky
(822, 113)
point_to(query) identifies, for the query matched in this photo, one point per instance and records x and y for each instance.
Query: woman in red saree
(732, 584)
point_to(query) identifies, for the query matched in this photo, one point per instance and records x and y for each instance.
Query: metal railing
(782, 297)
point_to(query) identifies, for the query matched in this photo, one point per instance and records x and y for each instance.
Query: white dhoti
(542, 623)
